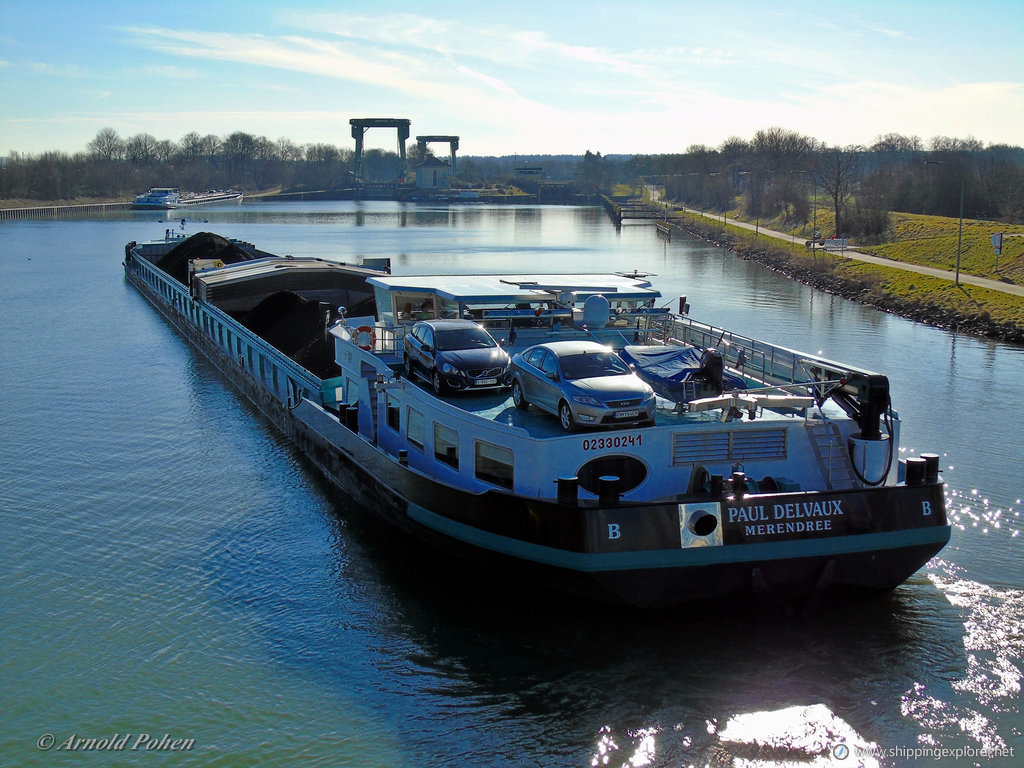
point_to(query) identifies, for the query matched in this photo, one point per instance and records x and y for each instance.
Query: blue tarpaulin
(668, 369)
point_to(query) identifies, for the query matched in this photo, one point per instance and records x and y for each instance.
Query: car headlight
(587, 400)
(450, 369)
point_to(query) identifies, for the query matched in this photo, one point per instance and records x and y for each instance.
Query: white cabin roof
(512, 288)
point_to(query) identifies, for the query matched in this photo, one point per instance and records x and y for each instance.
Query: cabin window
(414, 427)
(392, 412)
(494, 464)
(446, 445)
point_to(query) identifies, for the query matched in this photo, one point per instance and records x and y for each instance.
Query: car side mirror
(427, 348)
(552, 375)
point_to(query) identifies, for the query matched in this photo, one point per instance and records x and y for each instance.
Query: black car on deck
(455, 355)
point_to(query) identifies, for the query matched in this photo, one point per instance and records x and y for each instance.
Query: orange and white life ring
(365, 337)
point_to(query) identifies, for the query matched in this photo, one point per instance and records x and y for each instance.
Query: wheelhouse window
(446, 445)
(494, 464)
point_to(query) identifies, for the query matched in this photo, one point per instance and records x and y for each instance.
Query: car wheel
(518, 397)
(565, 417)
(439, 386)
(408, 367)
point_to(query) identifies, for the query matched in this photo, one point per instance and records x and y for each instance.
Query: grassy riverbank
(932, 300)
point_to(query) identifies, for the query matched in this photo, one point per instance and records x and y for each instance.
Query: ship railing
(390, 340)
(286, 379)
(769, 363)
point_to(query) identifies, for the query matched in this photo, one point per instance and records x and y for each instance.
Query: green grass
(932, 241)
(926, 298)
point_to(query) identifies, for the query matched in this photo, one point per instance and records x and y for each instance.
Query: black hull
(561, 547)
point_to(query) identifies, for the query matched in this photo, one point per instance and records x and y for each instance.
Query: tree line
(777, 174)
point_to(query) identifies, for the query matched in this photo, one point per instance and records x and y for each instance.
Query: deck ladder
(833, 458)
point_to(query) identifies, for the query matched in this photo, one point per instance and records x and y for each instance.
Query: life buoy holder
(365, 337)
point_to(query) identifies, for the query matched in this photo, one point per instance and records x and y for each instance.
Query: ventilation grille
(691, 448)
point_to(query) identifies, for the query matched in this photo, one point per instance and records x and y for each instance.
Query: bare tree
(288, 150)
(837, 170)
(190, 146)
(107, 145)
(164, 150)
(210, 147)
(140, 149)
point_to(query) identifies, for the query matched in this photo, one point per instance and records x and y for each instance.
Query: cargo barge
(765, 474)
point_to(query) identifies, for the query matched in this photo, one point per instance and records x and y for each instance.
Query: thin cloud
(510, 47)
(435, 80)
(58, 70)
(494, 82)
(167, 71)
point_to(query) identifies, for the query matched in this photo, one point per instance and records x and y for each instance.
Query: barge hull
(553, 544)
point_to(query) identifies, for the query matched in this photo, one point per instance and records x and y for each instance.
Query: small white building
(432, 173)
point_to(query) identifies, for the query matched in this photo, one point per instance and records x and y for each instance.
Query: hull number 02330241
(611, 442)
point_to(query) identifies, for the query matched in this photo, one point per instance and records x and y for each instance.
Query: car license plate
(626, 414)
(485, 382)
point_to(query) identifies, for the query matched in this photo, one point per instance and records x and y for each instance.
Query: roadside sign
(997, 243)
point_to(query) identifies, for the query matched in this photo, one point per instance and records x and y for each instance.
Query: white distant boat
(157, 199)
(168, 198)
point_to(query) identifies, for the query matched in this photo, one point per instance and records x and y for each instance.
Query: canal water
(178, 581)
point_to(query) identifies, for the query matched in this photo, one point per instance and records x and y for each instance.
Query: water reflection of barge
(784, 487)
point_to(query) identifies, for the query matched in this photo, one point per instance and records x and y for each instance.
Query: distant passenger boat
(157, 199)
(167, 198)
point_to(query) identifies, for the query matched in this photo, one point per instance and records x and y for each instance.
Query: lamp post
(960, 231)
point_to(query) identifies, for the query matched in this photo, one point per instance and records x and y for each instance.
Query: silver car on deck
(584, 383)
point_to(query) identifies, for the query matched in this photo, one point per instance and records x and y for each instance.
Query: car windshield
(464, 338)
(592, 364)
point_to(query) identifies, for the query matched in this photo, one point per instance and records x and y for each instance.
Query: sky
(511, 77)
